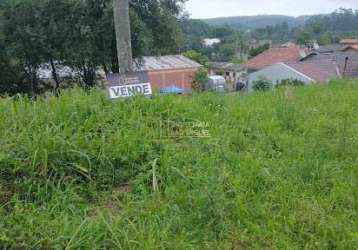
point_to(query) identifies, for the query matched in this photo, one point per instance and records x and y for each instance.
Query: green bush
(262, 84)
(256, 51)
(200, 79)
(196, 56)
(290, 82)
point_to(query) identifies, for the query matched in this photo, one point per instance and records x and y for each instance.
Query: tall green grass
(279, 171)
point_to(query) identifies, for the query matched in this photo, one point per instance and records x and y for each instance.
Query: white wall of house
(209, 42)
(277, 73)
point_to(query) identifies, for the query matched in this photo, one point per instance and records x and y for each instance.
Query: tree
(161, 26)
(225, 52)
(200, 79)
(24, 44)
(325, 39)
(79, 34)
(256, 51)
(196, 56)
(304, 37)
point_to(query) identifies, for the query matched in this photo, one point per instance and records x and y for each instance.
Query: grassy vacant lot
(279, 171)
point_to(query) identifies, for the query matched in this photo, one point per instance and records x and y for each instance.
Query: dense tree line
(276, 33)
(326, 29)
(331, 28)
(342, 20)
(79, 34)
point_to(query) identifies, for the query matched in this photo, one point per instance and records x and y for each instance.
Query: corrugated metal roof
(152, 63)
(225, 66)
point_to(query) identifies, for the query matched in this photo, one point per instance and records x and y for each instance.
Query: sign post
(129, 85)
(123, 35)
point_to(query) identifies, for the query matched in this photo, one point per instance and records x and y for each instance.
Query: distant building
(315, 67)
(346, 60)
(164, 71)
(230, 71)
(210, 42)
(288, 45)
(307, 72)
(273, 56)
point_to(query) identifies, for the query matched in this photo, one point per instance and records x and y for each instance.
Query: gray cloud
(219, 8)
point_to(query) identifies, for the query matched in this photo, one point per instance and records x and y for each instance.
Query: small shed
(165, 71)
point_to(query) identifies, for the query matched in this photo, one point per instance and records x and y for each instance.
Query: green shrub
(200, 79)
(196, 56)
(290, 82)
(256, 51)
(262, 84)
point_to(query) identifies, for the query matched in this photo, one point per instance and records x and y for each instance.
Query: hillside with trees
(331, 28)
(326, 29)
(257, 22)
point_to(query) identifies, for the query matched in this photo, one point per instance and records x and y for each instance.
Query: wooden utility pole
(123, 35)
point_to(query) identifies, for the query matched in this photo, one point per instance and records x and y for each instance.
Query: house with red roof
(274, 56)
(316, 66)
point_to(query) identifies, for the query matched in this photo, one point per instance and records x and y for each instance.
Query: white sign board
(130, 90)
(128, 85)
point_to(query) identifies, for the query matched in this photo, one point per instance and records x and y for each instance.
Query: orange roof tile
(273, 56)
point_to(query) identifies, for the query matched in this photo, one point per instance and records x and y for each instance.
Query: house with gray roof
(346, 60)
(318, 66)
(307, 72)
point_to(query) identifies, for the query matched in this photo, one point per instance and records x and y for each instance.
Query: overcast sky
(222, 8)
